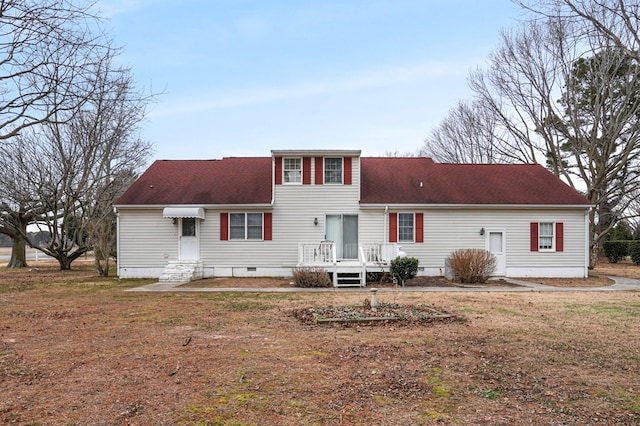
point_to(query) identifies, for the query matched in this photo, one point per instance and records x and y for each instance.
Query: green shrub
(615, 250)
(404, 268)
(472, 265)
(379, 277)
(311, 277)
(634, 251)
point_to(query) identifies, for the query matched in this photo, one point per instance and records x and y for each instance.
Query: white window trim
(246, 227)
(553, 238)
(284, 170)
(324, 171)
(413, 230)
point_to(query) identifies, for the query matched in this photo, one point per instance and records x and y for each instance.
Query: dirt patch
(395, 314)
(593, 281)
(78, 349)
(624, 268)
(238, 282)
(268, 282)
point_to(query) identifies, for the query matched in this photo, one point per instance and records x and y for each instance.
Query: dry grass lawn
(78, 349)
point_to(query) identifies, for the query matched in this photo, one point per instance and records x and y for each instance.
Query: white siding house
(349, 214)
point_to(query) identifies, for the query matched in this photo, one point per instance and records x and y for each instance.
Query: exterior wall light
(481, 231)
(315, 221)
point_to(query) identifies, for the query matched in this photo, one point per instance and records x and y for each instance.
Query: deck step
(349, 279)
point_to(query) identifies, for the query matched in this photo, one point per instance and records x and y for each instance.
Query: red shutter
(347, 170)
(534, 236)
(559, 236)
(268, 219)
(319, 170)
(306, 170)
(278, 171)
(393, 227)
(224, 226)
(419, 227)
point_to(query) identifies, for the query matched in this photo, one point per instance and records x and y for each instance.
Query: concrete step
(181, 271)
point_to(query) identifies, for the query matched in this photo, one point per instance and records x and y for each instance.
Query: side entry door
(189, 239)
(495, 243)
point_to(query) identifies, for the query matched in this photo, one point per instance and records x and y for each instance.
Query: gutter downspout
(386, 218)
(587, 254)
(273, 180)
(115, 210)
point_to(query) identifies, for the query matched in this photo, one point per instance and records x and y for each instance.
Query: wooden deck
(372, 257)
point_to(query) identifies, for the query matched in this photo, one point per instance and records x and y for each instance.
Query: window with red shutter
(547, 236)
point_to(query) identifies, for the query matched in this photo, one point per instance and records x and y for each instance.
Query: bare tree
(600, 131)
(89, 159)
(469, 134)
(616, 21)
(398, 153)
(49, 50)
(46, 50)
(19, 205)
(566, 96)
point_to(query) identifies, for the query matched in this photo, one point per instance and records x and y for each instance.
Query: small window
(333, 170)
(292, 170)
(405, 227)
(245, 226)
(188, 227)
(545, 236)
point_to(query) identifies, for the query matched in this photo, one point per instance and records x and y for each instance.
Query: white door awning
(197, 212)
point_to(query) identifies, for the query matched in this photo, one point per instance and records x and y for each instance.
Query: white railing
(321, 253)
(324, 253)
(378, 252)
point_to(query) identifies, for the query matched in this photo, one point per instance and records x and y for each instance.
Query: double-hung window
(545, 236)
(405, 227)
(333, 170)
(292, 170)
(245, 226)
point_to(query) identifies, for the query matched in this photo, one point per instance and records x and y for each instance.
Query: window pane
(236, 226)
(254, 219)
(405, 226)
(254, 226)
(333, 170)
(292, 170)
(546, 243)
(292, 176)
(546, 229)
(495, 242)
(545, 234)
(188, 227)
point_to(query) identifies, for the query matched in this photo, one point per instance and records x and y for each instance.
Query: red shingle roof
(248, 180)
(397, 181)
(245, 180)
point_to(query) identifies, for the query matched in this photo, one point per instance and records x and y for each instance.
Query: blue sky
(242, 77)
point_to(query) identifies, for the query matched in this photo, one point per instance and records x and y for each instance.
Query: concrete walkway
(621, 284)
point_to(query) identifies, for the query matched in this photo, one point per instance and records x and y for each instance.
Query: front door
(343, 231)
(495, 242)
(189, 239)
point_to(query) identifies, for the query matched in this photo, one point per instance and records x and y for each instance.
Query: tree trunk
(18, 252)
(594, 256)
(65, 263)
(100, 257)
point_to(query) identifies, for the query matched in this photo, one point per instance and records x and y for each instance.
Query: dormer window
(292, 170)
(333, 170)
